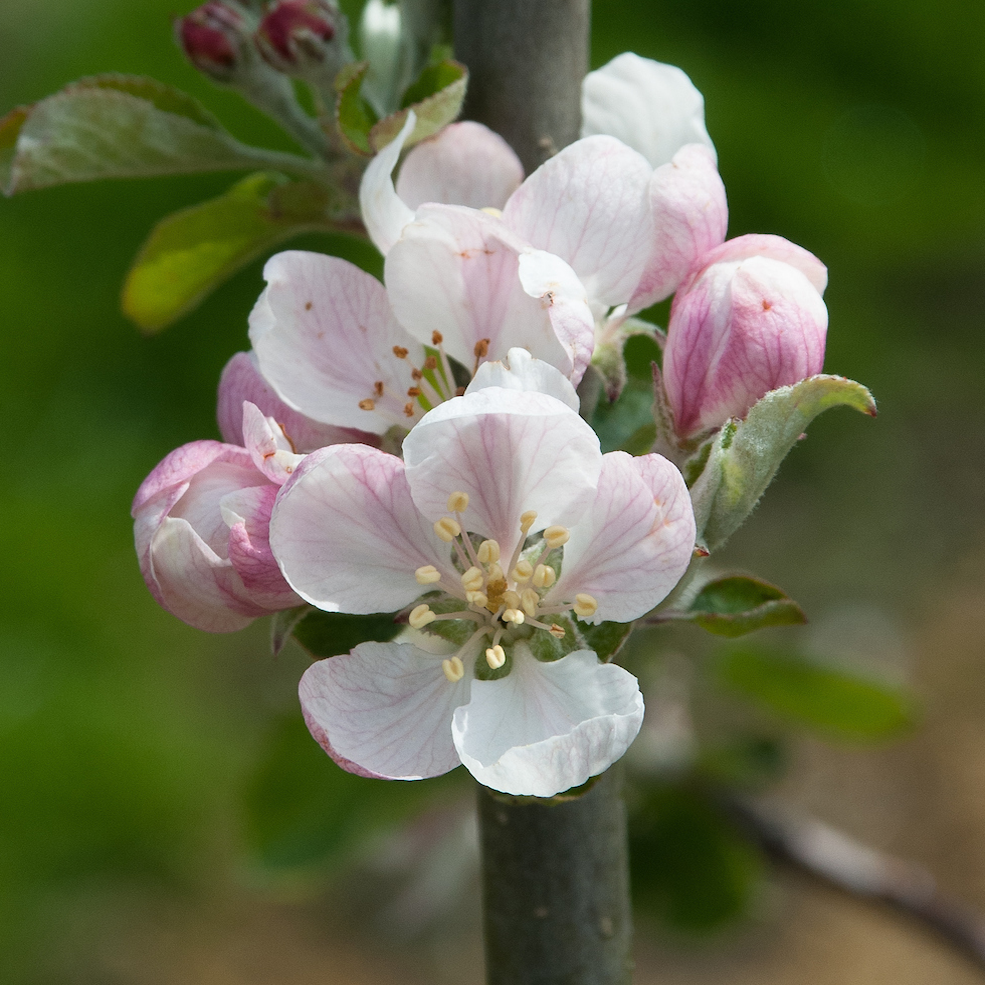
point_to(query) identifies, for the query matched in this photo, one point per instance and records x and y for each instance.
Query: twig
(862, 872)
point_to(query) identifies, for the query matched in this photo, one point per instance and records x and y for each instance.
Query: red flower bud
(296, 35)
(212, 37)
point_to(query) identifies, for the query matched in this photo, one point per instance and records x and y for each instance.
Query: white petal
(511, 451)
(547, 727)
(634, 544)
(652, 107)
(348, 536)
(464, 164)
(384, 214)
(589, 204)
(268, 445)
(384, 710)
(521, 371)
(324, 337)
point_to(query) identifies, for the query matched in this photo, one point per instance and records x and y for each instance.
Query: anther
(544, 576)
(416, 374)
(428, 574)
(430, 363)
(556, 631)
(437, 338)
(454, 669)
(511, 600)
(529, 599)
(584, 605)
(473, 579)
(527, 520)
(414, 391)
(522, 571)
(489, 210)
(479, 599)
(367, 404)
(447, 529)
(458, 502)
(400, 352)
(481, 349)
(556, 536)
(421, 616)
(495, 656)
(489, 551)
(514, 616)
(408, 410)
(378, 388)
(496, 573)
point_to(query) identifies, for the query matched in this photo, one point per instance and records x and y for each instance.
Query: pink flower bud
(212, 37)
(748, 318)
(300, 36)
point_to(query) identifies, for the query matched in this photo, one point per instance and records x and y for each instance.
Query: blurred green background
(129, 743)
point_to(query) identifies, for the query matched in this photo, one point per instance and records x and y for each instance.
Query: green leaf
(607, 638)
(746, 454)
(750, 761)
(354, 116)
(191, 252)
(826, 698)
(687, 862)
(327, 634)
(118, 126)
(436, 99)
(734, 605)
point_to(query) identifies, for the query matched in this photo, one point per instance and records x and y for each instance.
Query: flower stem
(556, 888)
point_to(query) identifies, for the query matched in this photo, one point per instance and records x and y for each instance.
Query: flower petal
(589, 205)
(464, 164)
(547, 727)
(348, 535)
(241, 381)
(457, 271)
(324, 337)
(268, 445)
(771, 247)
(384, 214)
(510, 451)
(521, 371)
(384, 710)
(652, 107)
(690, 216)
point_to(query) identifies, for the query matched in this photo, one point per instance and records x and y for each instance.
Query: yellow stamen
(447, 529)
(585, 605)
(544, 576)
(527, 520)
(489, 551)
(495, 213)
(522, 571)
(495, 656)
(477, 598)
(428, 574)
(556, 536)
(458, 502)
(511, 600)
(473, 579)
(454, 669)
(514, 616)
(421, 616)
(530, 600)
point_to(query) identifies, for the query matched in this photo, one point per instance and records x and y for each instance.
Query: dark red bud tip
(210, 36)
(700, 551)
(289, 23)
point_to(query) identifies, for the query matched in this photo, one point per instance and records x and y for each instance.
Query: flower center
(503, 601)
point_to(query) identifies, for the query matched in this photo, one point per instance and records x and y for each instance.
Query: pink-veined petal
(634, 544)
(690, 216)
(324, 336)
(348, 535)
(521, 371)
(589, 205)
(384, 710)
(384, 214)
(547, 727)
(241, 381)
(651, 106)
(466, 163)
(457, 271)
(510, 451)
(268, 445)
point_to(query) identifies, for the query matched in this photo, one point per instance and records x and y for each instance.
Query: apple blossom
(201, 527)
(503, 524)
(749, 319)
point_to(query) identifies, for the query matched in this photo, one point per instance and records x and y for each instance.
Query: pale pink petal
(384, 710)
(634, 544)
(457, 271)
(690, 216)
(464, 164)
(511, 451)
(324, 337)
(268, 445)
(589, 205)
(384, 214)
(547, 727)
(241, 381)
(652, 107)
(764, 245)
(520, 371)
(348, 535)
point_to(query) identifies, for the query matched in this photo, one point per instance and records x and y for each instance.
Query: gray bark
(526, 60)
